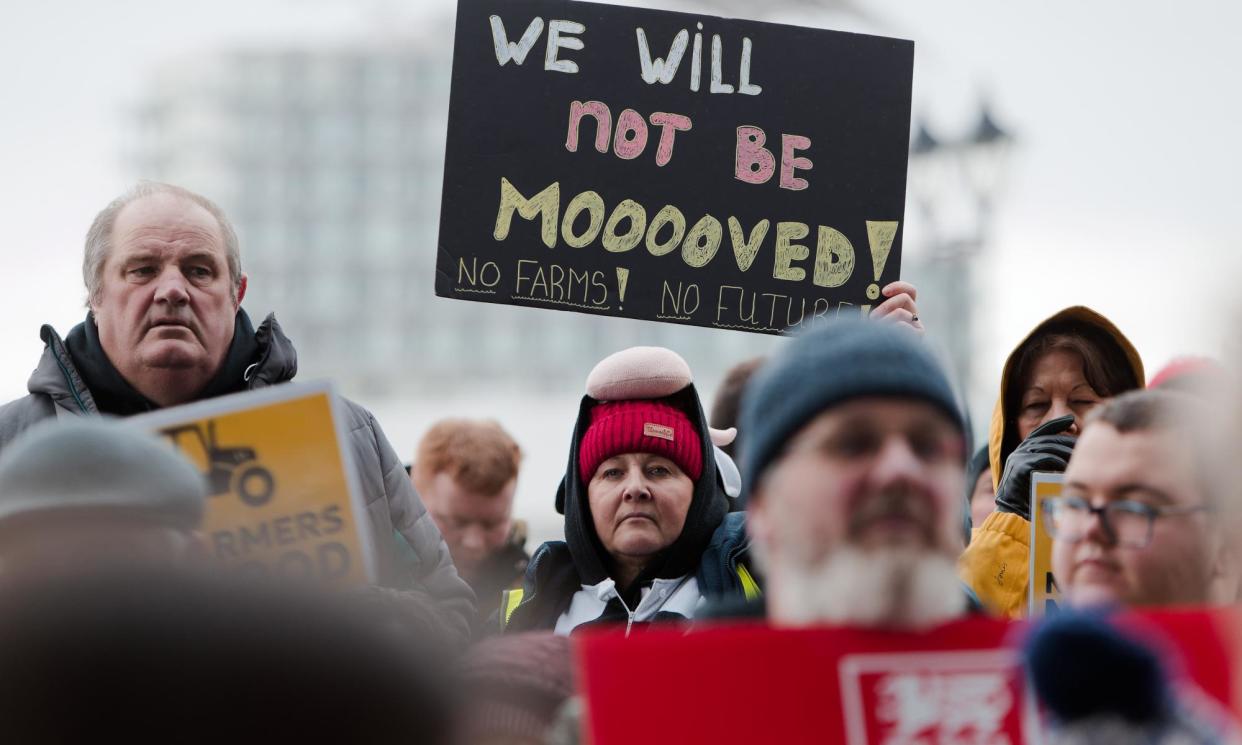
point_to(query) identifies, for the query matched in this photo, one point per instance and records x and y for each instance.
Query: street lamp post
(953, 187)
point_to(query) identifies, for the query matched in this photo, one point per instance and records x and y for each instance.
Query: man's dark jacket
(258, 358)
(501, 571)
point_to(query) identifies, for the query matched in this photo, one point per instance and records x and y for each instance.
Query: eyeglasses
(1125, 523)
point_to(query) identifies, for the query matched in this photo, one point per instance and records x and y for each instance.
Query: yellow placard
(1042, 591)
(283, 497)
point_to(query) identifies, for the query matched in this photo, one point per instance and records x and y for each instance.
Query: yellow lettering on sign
(593, 203)
(669, 215)
(834, 258)
(638, 225)
(745, 249)
(546, 204)
(788, 252)
(702, 242)
(880, 237)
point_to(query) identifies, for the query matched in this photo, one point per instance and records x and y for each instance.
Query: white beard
(903, 589)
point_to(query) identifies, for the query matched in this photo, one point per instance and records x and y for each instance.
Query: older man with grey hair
(165, 327)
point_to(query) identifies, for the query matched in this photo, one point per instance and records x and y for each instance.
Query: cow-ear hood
(1001, 441)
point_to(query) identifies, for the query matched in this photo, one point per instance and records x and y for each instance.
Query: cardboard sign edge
(1038, 478)
(281, 393)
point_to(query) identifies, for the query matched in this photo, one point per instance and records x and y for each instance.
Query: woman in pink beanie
(648, 532)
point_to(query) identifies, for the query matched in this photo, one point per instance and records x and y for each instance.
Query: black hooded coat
(711, 546)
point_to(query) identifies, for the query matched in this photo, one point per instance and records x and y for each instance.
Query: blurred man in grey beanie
(124, 497)
(853, 469)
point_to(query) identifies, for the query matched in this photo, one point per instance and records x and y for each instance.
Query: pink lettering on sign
(789, 161)
(670, 125)
(753, 163)
(603, 124)
(631, 138)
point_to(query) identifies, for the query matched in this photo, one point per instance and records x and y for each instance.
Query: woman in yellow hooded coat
(1065, 367)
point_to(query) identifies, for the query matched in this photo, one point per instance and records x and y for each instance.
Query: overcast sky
(1121, 195)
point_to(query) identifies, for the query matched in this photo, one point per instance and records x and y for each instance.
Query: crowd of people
(836, 483)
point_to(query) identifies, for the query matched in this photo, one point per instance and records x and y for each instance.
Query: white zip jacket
(680, 596)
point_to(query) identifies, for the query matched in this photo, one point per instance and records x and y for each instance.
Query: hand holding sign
(1045, 449)
(899, 308)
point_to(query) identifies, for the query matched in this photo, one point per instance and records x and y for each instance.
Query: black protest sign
(669, 166)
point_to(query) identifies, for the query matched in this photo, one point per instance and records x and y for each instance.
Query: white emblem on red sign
(935, 698)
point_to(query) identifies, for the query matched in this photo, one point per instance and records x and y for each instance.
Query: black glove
(1045, 449)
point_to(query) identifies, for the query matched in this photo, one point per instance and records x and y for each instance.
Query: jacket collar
(664, 598)
(277, 361)
(57, 377)
(256, 358)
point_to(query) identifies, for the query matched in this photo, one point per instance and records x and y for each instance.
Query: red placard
(751, 684)
(961, 683)
(1200, 647)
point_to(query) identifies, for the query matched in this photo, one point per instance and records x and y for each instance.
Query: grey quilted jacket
(396, 511)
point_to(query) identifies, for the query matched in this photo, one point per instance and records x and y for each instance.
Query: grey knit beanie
(100, 465)
(830, 364)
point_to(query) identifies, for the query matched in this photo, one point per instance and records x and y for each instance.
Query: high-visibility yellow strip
(511, 600)
(749, 586)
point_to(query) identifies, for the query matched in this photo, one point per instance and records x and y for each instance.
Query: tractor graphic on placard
(228, 468)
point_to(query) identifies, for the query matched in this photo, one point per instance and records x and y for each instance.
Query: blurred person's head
(75, 494)
(161, 656)
(728, 402)
(1068, 364)
(1231, 425)
(1202, 376)
(1135, 524)
(164, 284)
(466, 472)
(980, 496)
(1101, 684)
(513, 688)
(853, 473)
